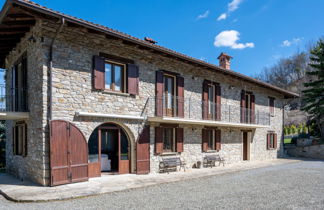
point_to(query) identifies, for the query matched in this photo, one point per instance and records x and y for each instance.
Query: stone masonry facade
(72, 92)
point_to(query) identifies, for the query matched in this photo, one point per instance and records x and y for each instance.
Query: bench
(171, 164)
(210, 160)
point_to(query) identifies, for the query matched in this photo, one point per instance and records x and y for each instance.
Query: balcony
(13, 103)
(198, 112)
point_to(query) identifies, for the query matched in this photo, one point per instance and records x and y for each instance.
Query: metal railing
(13, 99)
(199, 110)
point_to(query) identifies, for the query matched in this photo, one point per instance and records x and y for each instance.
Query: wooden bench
(210, 160)
(171, 164)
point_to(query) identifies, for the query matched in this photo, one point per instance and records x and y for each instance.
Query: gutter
(50, 67)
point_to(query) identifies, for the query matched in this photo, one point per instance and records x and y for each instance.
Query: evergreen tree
(314, 94)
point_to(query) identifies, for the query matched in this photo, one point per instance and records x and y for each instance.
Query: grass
(287, 141)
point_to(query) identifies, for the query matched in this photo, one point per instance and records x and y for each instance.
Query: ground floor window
(20, 139)
(211, 139)
(272, 141)
(169, 144)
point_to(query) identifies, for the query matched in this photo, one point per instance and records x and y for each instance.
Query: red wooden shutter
(179, 135)
(159, 94)
(218, 102)
(205, 101)
(158, 140)
(98, 73)
(143, 152)
(252, 109)
(180, 94)
(218, 139)
(133, 79)
(243, 106)
(275, 141)
(268, 140)
(204, 140)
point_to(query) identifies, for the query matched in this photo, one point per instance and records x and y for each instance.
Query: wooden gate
(68, 153)
(143, 152)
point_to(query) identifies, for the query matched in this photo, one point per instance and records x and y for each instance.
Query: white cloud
(234, 5)
(231, 7)
(222, 17)
(288, 43)
(204, 15)
(230, 39)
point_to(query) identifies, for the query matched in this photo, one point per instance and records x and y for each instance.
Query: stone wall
(313, 151)
(72, 92)
(34, 165)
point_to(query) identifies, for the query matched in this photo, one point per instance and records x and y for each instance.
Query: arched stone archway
(111, 149)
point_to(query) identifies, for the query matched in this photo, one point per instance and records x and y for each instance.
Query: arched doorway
(109, 150)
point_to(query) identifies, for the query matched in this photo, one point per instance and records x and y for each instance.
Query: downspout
(50, 67)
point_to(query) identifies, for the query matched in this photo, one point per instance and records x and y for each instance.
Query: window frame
(272, 145)
(173, 140)
(20, 139)
(271, 108)
(212, 114)
(123, 76)
(213, 136)
(174, 95)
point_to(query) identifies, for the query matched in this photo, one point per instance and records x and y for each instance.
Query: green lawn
(287, 141)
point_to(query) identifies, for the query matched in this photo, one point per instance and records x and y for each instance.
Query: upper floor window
(18, 95)
(211, 101)
(20, 139)
(115, 76)
(119, 76)
(247, 107)
(169, 98)
(271, 106)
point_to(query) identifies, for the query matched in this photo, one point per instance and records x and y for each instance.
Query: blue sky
(255, 32)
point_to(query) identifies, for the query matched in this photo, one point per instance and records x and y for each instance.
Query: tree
(314, 94)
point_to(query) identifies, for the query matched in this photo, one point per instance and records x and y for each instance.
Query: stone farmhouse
(81, 100)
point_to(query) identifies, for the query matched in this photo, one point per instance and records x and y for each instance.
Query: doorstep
(18, 191)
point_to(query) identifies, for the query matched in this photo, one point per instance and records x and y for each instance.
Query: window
(20, 139)
(211, 101)
(19, 86)
(169, 94)
(211, 139)
(271, 106)
(115, 76)
(272, 141)
(169, 144)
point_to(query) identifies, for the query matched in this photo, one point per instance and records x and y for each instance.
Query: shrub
(305, 130)
(293, 129)
(288, 130)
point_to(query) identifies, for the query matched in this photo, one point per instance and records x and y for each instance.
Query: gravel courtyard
(290, 186)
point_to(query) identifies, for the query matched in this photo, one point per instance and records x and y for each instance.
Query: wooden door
(143, 152)
(245, 146)
(68, 153)
(124, 154)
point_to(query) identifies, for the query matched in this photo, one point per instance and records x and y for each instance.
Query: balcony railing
(13, 99)
(196, 109)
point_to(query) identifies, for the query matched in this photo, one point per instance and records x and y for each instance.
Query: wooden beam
(14, 30)
(21, 23)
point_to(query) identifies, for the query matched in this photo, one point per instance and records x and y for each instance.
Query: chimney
(225, 61)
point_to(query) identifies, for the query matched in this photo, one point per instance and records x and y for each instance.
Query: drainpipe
(50, 66)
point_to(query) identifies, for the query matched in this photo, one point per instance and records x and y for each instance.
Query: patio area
(15, 190)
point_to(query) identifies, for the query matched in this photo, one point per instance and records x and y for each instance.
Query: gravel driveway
(290, 186)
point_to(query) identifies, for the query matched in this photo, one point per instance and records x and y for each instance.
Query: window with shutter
(115, 76)
(271, 141)
(168, 138)
(211, 101)
(247, 107)
(211, 139)
(20, 139)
